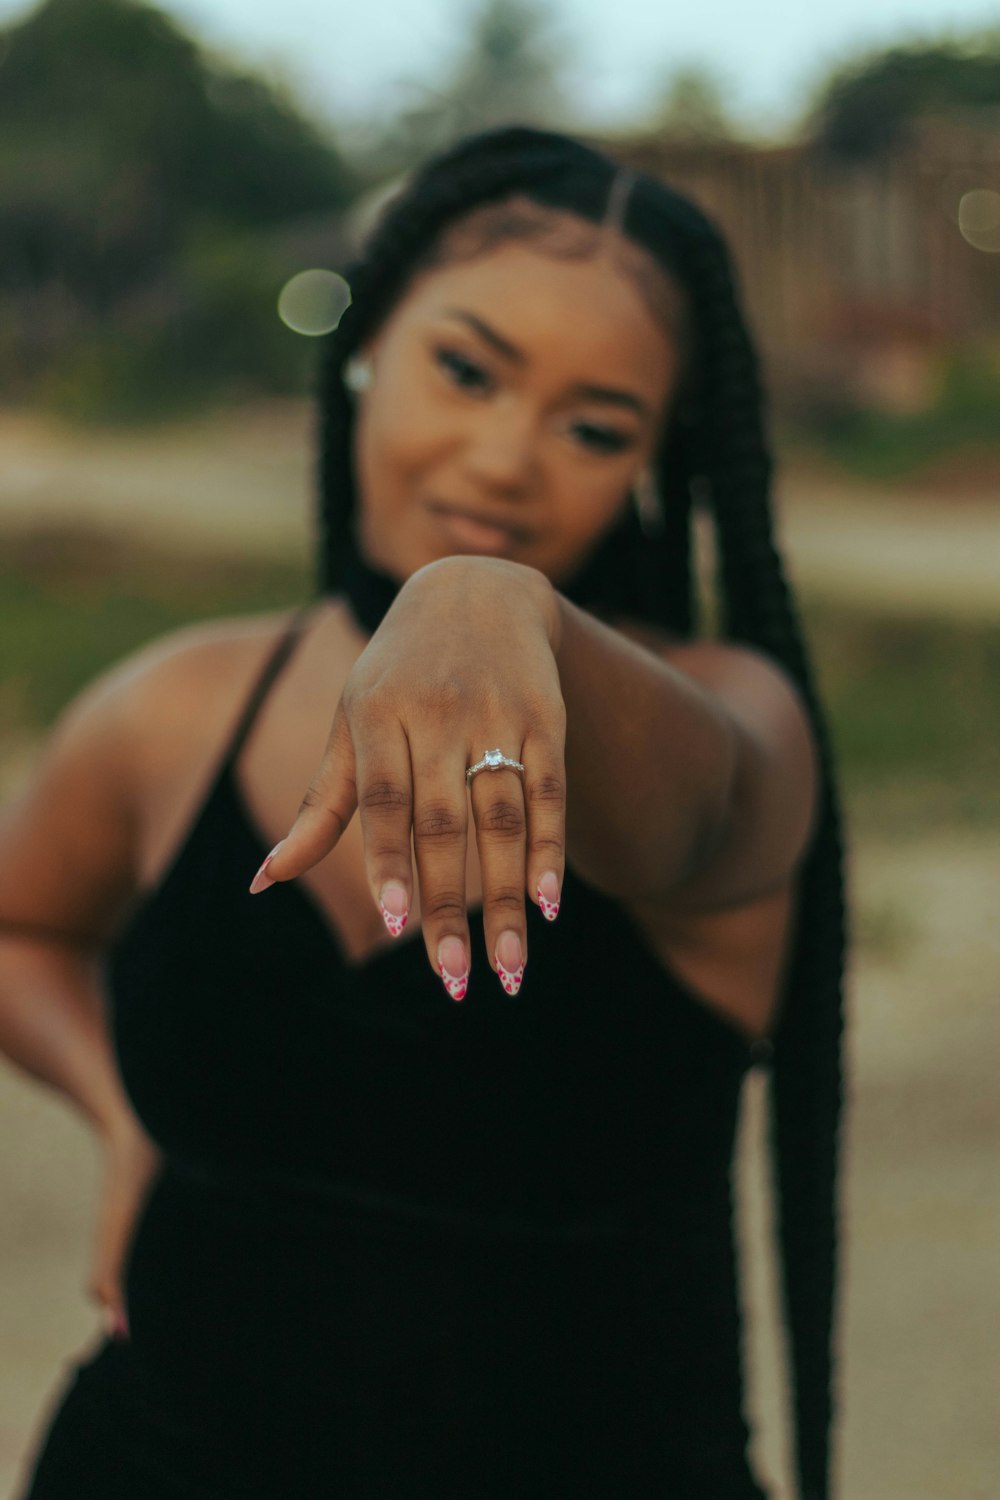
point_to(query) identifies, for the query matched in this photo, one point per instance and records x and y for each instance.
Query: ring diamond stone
(494, 760)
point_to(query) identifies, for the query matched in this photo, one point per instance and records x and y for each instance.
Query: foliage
(74, 600)
(915, 715)
(869, 106)
(508, 71)
(132, 167)
(693, 107)
(876, 444)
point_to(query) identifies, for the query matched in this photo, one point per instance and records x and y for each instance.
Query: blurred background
(168, 174)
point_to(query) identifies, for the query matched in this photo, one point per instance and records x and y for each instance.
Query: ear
(358, 373)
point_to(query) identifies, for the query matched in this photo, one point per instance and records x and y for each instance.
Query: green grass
(959, 422)
(915, 714)
(913, 704)
(72, 602)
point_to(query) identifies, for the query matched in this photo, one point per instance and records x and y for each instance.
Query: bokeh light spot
(979, 219)
(313, 302)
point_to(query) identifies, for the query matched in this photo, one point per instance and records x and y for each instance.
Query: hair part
(563, 235)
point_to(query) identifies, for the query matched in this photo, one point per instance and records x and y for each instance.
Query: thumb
(327, 808)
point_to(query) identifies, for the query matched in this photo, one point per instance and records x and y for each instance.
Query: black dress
(403, 1247)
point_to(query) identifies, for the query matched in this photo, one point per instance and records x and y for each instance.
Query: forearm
(53, 1026)
(650, 762)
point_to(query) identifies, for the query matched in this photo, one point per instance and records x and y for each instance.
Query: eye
(465, 372)
(601, 439)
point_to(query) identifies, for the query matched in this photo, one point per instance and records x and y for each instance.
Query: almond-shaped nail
(510, 961)
(453, 967)
(262, 879)
(394, 906)
(549, 895)
(116, 1324)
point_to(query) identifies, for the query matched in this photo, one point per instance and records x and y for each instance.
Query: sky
(355, 60)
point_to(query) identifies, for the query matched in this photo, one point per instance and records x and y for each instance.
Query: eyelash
(469, 376)
(460, 369)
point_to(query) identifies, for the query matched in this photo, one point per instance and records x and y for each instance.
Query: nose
(501, 450)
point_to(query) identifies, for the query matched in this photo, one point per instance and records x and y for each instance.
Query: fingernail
(453, 966)
(548, 895)
(393, 903)
(116, 1324)
(510, 962)
(262, 879)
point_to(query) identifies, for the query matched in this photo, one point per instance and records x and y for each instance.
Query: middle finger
(498, 810)
(440, 837)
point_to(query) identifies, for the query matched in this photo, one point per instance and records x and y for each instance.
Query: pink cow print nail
(456, 987)
(510, 979)
(549, 909)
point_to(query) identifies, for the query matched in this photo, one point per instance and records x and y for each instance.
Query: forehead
(585, 307)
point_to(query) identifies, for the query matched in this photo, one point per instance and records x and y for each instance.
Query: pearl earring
(358, 374)
(648, 505)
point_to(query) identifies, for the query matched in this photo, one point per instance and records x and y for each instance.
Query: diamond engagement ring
(493, 760)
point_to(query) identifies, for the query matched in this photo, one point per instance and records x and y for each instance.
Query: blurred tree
(509, 71)
(869, 106)
(693, 107)
(123, 149)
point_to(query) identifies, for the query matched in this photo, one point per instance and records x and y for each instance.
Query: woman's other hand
(464, 662)
(131, 1161)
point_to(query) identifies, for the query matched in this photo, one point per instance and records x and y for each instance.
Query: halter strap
(266, 678)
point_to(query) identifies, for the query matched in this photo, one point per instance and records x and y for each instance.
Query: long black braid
(714, 445)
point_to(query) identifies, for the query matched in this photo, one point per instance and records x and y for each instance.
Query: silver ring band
(494, 760)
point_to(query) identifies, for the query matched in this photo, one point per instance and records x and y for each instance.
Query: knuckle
(546, 843)
(317, 800)
(506, 898)
(382, 794)
(547, 790)
(503, 817)
(445, 906)
(384, 855)
(439, 823)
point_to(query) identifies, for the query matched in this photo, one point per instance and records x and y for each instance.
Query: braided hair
(714, 453)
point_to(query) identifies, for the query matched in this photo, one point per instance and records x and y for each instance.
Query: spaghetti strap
(266, 679)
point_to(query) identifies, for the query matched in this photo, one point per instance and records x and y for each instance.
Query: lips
(468, 531)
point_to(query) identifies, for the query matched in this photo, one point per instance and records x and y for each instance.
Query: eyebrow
(611, 395)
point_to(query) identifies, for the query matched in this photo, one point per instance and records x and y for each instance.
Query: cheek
(590, 504)
(391, 445)
(586, 511)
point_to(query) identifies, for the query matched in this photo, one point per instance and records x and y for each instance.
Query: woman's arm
(67, 871)
(691, 771)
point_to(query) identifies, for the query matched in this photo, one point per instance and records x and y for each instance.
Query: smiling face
(516, 397)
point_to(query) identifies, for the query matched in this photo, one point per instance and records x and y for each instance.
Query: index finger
(327, 807)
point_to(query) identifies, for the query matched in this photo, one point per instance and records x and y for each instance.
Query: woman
(388, 1244)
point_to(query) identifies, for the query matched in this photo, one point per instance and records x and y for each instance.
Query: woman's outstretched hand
(464, 662)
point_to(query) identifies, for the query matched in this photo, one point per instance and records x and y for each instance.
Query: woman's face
(516, 397)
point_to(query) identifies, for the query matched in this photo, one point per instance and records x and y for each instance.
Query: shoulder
(145, 691)
(144, 712)
(198, 659)
(758, 691)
